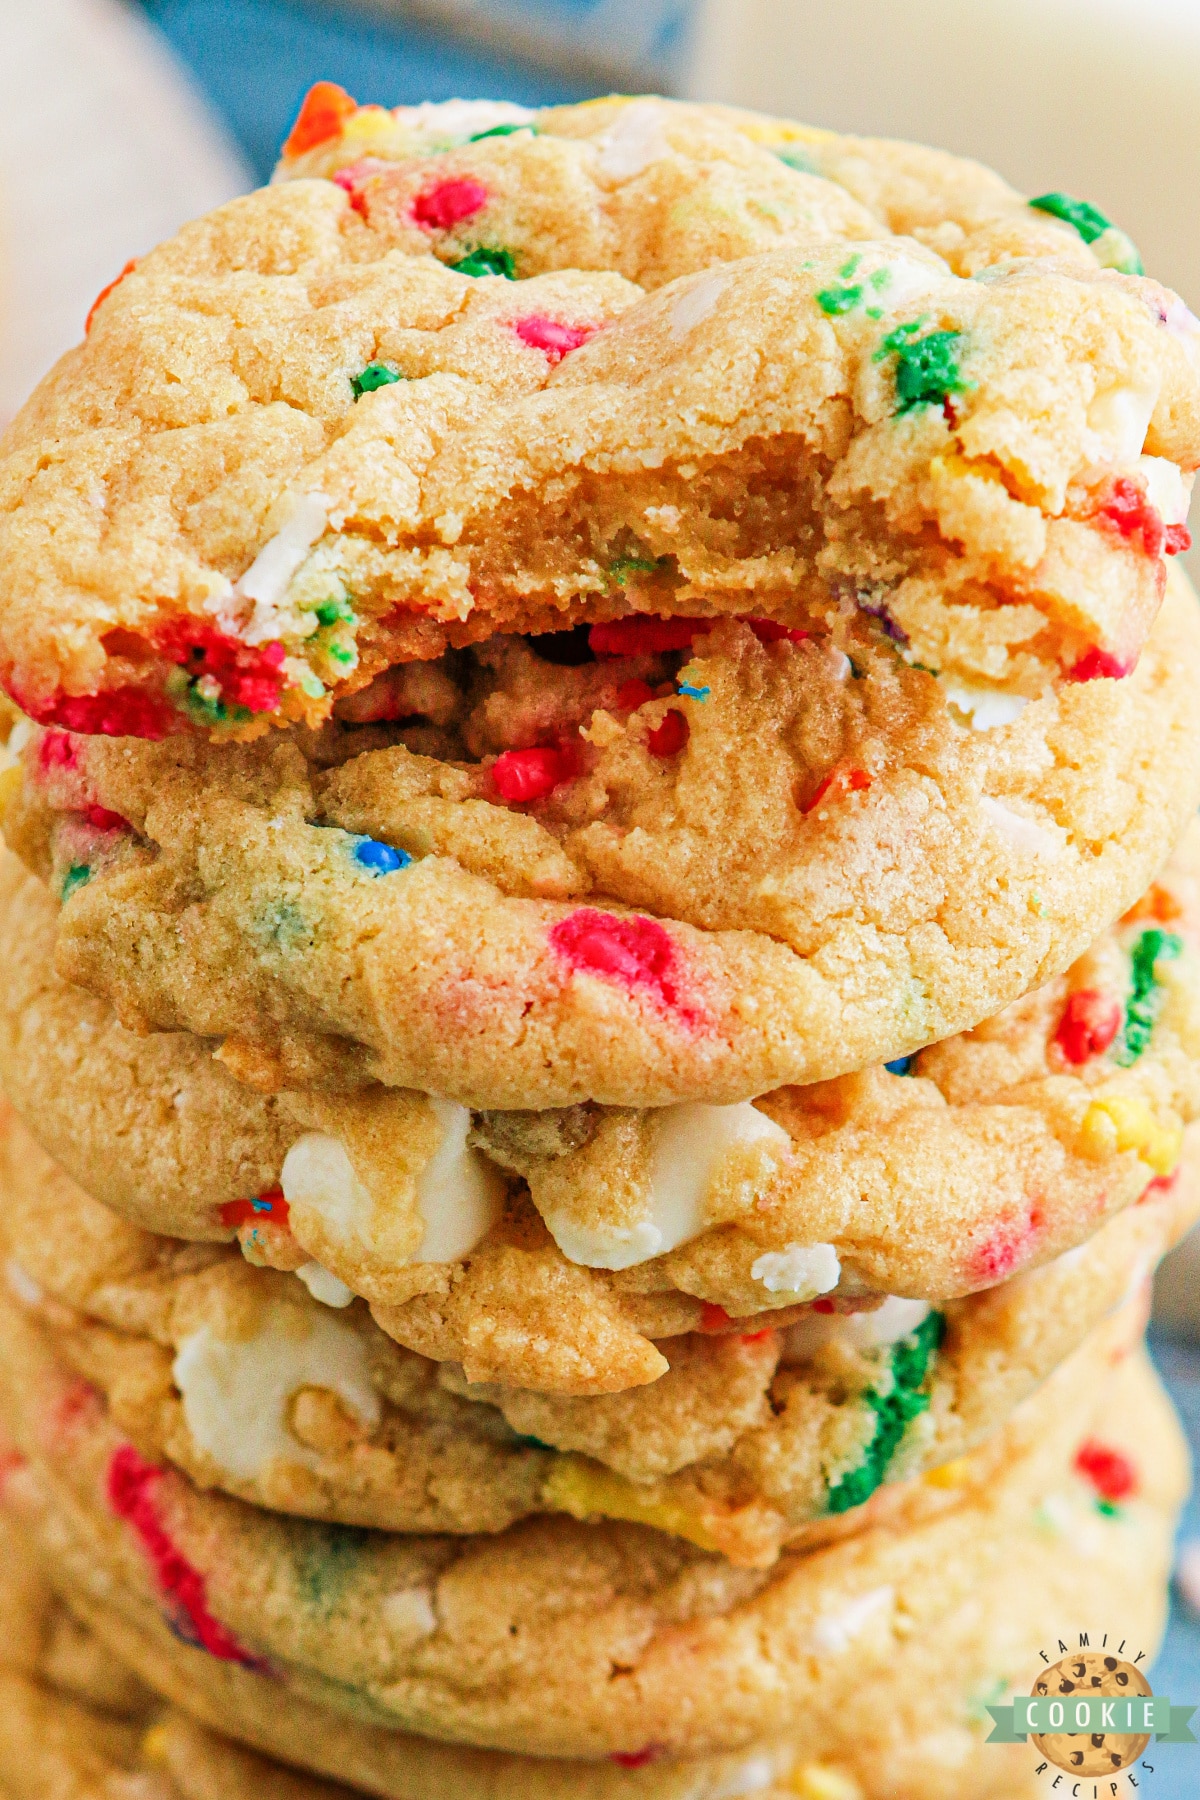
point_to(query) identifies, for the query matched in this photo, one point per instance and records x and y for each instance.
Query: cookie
(249, 1385)
(511, 1642)
(984, 1155)
(657, 188)
(352, 440)
(385, 917)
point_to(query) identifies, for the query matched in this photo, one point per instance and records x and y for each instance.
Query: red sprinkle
(1007, 1247)
(836, 786)
(554, 340)
(57, 751)
(1089, 1023)
(669, 738)
(119, 712)
(633, 950)
(248, 675)
(636, 1759)
(323, 112)
(1100, 665)
(236, 1213)
(79, 1402)
(520, 775)
(632, 694)
(102, 296)
(1176, 540)
(1110, 1472)
(1128, 508)
(713, 1318)
(645, 635)
(823, 1306)
(448, 203)
(769, 631)
(102, 820)
(130, 1485)
(350, 180)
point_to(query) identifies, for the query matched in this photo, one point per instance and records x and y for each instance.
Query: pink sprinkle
(520, 775)
(74, 1407)
(1089, 1023)
(635, 951)
(637, 1759)
(1177, 539)
(1100, 665)
(57, 751)
(247, 675)
(1007, 1247)
(101, 819)
(130, 1486)
(769, 631)
(554, 340)
(448, 203)
(352, 177)
(645, 635)
(1128, 509)
(120, 712)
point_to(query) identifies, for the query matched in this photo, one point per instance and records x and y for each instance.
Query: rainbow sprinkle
(1153, 946)
(377, 858)
(375, 375)
(908, 1365)
(927, 370)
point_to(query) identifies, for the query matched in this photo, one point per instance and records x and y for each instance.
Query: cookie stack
(601, 990)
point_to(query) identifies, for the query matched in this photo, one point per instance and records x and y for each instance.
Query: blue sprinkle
(380, 859)
(694, 693)
(901, 1066)
(262, 1205)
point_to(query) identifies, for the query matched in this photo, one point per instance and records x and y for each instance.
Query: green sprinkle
(487, 262)
(333, 612)
(835, 300)
(345, 654)
(625, 566)
(1087, 219)
(311, 685)
(927, 368)
(910, 1362)
(798, 159)
(1113, 249)
(1153, 946)
(847, 269)
(501, 131)
(880, 279)
(375, 375)
(1109, 1508)
(77, 876)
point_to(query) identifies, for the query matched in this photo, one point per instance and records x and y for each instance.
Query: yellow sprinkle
(585, 1489)
(154, 1745)
(1120, 1122)
(10, 787)
(813, 1781)
(959, 468)
(950, 1474)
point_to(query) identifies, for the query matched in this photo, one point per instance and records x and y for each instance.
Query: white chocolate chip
(318, 1173)
(324, 1285)
(236, 1391)
(1120, 417)
(1168, 490)
(894, 1320)
(697, 303)
(409, 1614)
(22, 1284)
(749, 1777)
(449, 122)
(635, 141)
(459, 1192)
(834, 1633)
(802, 1270)
(266, 582)
(1022, 833)
(691, 1142)
(985, 707)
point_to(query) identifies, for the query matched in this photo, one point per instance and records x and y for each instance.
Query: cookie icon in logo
(1104, 1750)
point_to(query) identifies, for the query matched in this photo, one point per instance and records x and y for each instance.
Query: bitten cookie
(699, 1659)
(249, 1384)
(340, 453)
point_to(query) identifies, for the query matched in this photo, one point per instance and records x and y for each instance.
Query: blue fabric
(1177, 1672)
(256, 59)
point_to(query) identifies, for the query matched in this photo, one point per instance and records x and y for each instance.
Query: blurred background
(119, 121)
